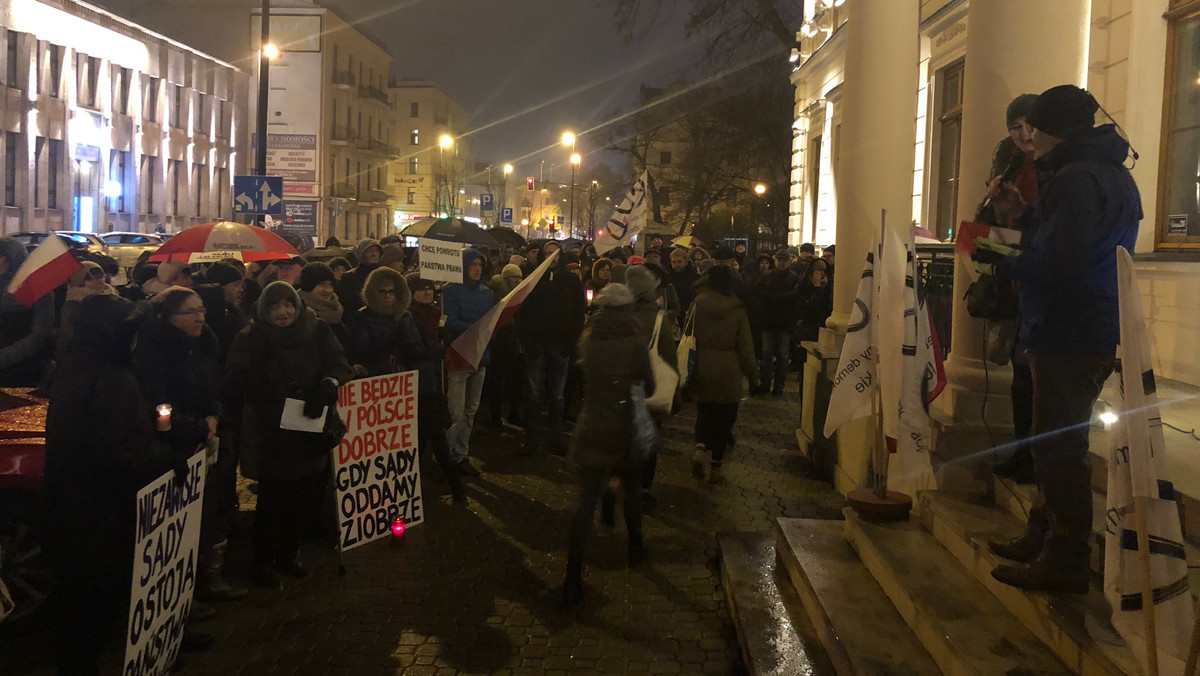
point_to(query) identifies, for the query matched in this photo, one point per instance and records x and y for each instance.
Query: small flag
(964, 243)
(48, 266)
(467, 350)
(856, 378)
(1137, 480)
(628, 220)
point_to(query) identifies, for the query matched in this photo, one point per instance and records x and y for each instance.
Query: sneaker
(1044, 576)
(265, 576)
(467, 468)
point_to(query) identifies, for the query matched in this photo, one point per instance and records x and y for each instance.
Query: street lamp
(575, 160)
(508, 169)
(445, 142)
(271, 51)
(759, 189)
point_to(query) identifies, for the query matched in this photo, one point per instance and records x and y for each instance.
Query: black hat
(1064, 111)
(315, 273)
(339, 261)
(415, 283)
(808, 247)
(222, 274)
(1022, 106)
(719, 278)
(723, 253)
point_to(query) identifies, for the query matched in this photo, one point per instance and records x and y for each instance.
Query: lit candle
(590, 293)
(164, 417)
(398, 528)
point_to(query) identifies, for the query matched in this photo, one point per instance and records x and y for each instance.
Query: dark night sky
(525, 70)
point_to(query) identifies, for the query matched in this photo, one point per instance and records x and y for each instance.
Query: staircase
(918, 597)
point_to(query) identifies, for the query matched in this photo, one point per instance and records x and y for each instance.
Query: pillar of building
(874, 173)
(1013, 47)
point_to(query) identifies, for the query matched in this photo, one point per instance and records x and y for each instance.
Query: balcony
(374, 94)
(363, 142)
(342, 190)
(379, 147)
(373, 197)
(343, 79)
(343, 135)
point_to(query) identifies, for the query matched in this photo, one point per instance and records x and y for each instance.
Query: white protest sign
(376, 469)
(164, 569)
(441, 261)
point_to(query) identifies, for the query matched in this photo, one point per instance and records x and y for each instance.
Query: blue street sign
(258, 195)
(485, 202)
(506, 215)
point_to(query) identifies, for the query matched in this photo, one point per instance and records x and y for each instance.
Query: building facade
(433, 162)
(109, 126)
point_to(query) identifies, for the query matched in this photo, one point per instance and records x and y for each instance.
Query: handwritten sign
(376, 469)
(441, 261)
(164, 569)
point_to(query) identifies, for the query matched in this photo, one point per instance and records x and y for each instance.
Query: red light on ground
(398, 528)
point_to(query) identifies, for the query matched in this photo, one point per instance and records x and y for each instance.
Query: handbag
(990, 297)
(666, 380)
(645, 433)
(685, 354)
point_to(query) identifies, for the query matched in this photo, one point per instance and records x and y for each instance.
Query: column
(1013, 47)
(879, 107)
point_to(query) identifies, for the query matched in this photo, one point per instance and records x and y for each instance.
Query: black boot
(573, 584)
(1029, 545)
(1018, 467)
(608, 504)
(1043, 575)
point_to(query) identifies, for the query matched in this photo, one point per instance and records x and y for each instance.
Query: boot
(715, 476)
(1018, 467)
(1046, 576)
(608, 504)
(573, 584)
(1021, 549)
(210, 585)
(698, 457)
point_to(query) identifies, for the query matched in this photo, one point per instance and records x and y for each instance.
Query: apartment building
(434, 160)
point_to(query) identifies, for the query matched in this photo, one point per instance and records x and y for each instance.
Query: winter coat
(724, 349)
(779, 293)
(350, 289)
(425, 320)
(552, 317)
(683, 281)
(331, 312)
(374, 331)
(101, 447)
(225, 320)
(66, 324)
(614, 357)
(1088, 205)
(25, 333)
(266, 365)
(466, 303)
(816, 304)
(174, 368)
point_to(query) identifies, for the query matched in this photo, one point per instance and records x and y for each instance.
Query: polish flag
(467, 350)
(48, 266)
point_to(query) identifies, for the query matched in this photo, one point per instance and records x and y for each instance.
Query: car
(76, 241)
(127, 247)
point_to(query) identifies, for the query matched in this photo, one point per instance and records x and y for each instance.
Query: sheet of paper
(293, 417)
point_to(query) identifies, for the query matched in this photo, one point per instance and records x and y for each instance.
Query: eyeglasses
(387, 292)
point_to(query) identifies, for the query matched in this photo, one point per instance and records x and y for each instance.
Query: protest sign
(376, 470)
(441, 261)
(164, 569)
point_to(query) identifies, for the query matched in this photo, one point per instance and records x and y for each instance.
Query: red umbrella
(215, 241)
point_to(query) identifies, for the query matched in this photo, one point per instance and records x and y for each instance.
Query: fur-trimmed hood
(374, 300)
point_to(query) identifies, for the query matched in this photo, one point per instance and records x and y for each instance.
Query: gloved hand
(324, 394)
(989, 254)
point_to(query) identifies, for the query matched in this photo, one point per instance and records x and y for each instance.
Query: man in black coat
(779, 293)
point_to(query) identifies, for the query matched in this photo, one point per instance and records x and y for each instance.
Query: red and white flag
(467, 350)
(48, 266)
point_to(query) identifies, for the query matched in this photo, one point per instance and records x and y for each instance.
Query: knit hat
(1020, 107)
(516, 259)
(415, 283)
(393, 254)
(511, 270)
(723, 253)
(275, 293)
(1064, 111)
(169, 270)
(83, 273)
(719, 278)
(168, 302)
(339, 262)
(315, 273)
(614, 295)
(641, 281)
(222, 274)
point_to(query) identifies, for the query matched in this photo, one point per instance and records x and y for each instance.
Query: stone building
(429, 178)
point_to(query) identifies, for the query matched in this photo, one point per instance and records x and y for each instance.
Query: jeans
(776, 348)
(714, 428)
(546, 380)
(1065, 388)
(463, 389)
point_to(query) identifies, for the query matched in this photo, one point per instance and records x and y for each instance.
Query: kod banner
(376, 470)
(441, 261)
(164, 569)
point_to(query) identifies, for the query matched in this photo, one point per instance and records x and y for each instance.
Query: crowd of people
(225, 344)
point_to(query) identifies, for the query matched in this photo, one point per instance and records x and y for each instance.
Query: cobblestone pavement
(476, 589)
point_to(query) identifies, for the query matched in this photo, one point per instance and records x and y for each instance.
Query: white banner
(376, 469)
(628, 220)
(441, 261)
(164, 569)
(855, 380)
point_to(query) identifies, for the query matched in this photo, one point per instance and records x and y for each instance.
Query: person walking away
(175, 360)
(779, 291)
(548, 325)
(368, 254)
(464, 304)
(724, 354)
(615, 358)
(286, 352)
(101, 449)
(1088, 205)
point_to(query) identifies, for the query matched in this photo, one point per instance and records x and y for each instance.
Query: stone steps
(1076, 628)
(773, 632)
(962, 625)
(860, 630)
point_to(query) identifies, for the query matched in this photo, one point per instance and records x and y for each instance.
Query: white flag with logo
(1136, 474)
(628, 220)
(855, 380)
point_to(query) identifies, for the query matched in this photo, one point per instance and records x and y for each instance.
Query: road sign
(486, 202)
(506, 215)
(258, 195)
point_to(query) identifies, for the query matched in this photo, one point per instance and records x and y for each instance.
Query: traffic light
(599, 233)
(529, 183)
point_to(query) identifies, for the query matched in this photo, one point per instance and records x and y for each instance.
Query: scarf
(329, 312)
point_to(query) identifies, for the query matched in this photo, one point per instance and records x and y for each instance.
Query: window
(12, 68)
(176, 169)
(414, 137)
(178, 113)
(813, 160)
(220, 193)
(949, 145)
(222, 112)
(358, 179)
(412, 196)
(414, 109)
(150, 101)
(148, 180)
(53, 159)
(200, 117)
(370, 126)
(39, 148)
(53, 72)
(379, 178)
(1179, 182)
(121, 90)
(198, 187)
(88, 76)
(664, 157)
(11, 140)
(117, 164)
(412, 166)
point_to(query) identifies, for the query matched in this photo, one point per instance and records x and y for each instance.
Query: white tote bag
(666, 380)
(685, 353)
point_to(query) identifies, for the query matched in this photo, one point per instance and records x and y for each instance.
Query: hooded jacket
(724, 348)
(1088, 205)
(375, 329)
(350, 288)
(25, 333)
(552, 316)
(466, 303)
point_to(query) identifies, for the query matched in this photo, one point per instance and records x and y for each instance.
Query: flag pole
(1194, 648)
(881, 453)
(1141, 522)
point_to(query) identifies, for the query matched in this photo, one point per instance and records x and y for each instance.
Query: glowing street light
(271, 51)
(568, 139)
(508, 169)
(446, 141)
(576, 158)
(760, 189)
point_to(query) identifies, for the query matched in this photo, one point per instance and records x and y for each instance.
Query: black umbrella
(450, 230)
(508, 236)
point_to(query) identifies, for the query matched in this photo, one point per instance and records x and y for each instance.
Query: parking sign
(506, 215)
(486, 202)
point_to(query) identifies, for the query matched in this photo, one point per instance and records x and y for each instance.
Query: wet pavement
(476, 589)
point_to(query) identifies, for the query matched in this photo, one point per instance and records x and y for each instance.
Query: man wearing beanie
(368, 254)
(1088, 205)
(222, 292)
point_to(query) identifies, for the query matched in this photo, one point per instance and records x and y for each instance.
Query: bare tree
(730, 28)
